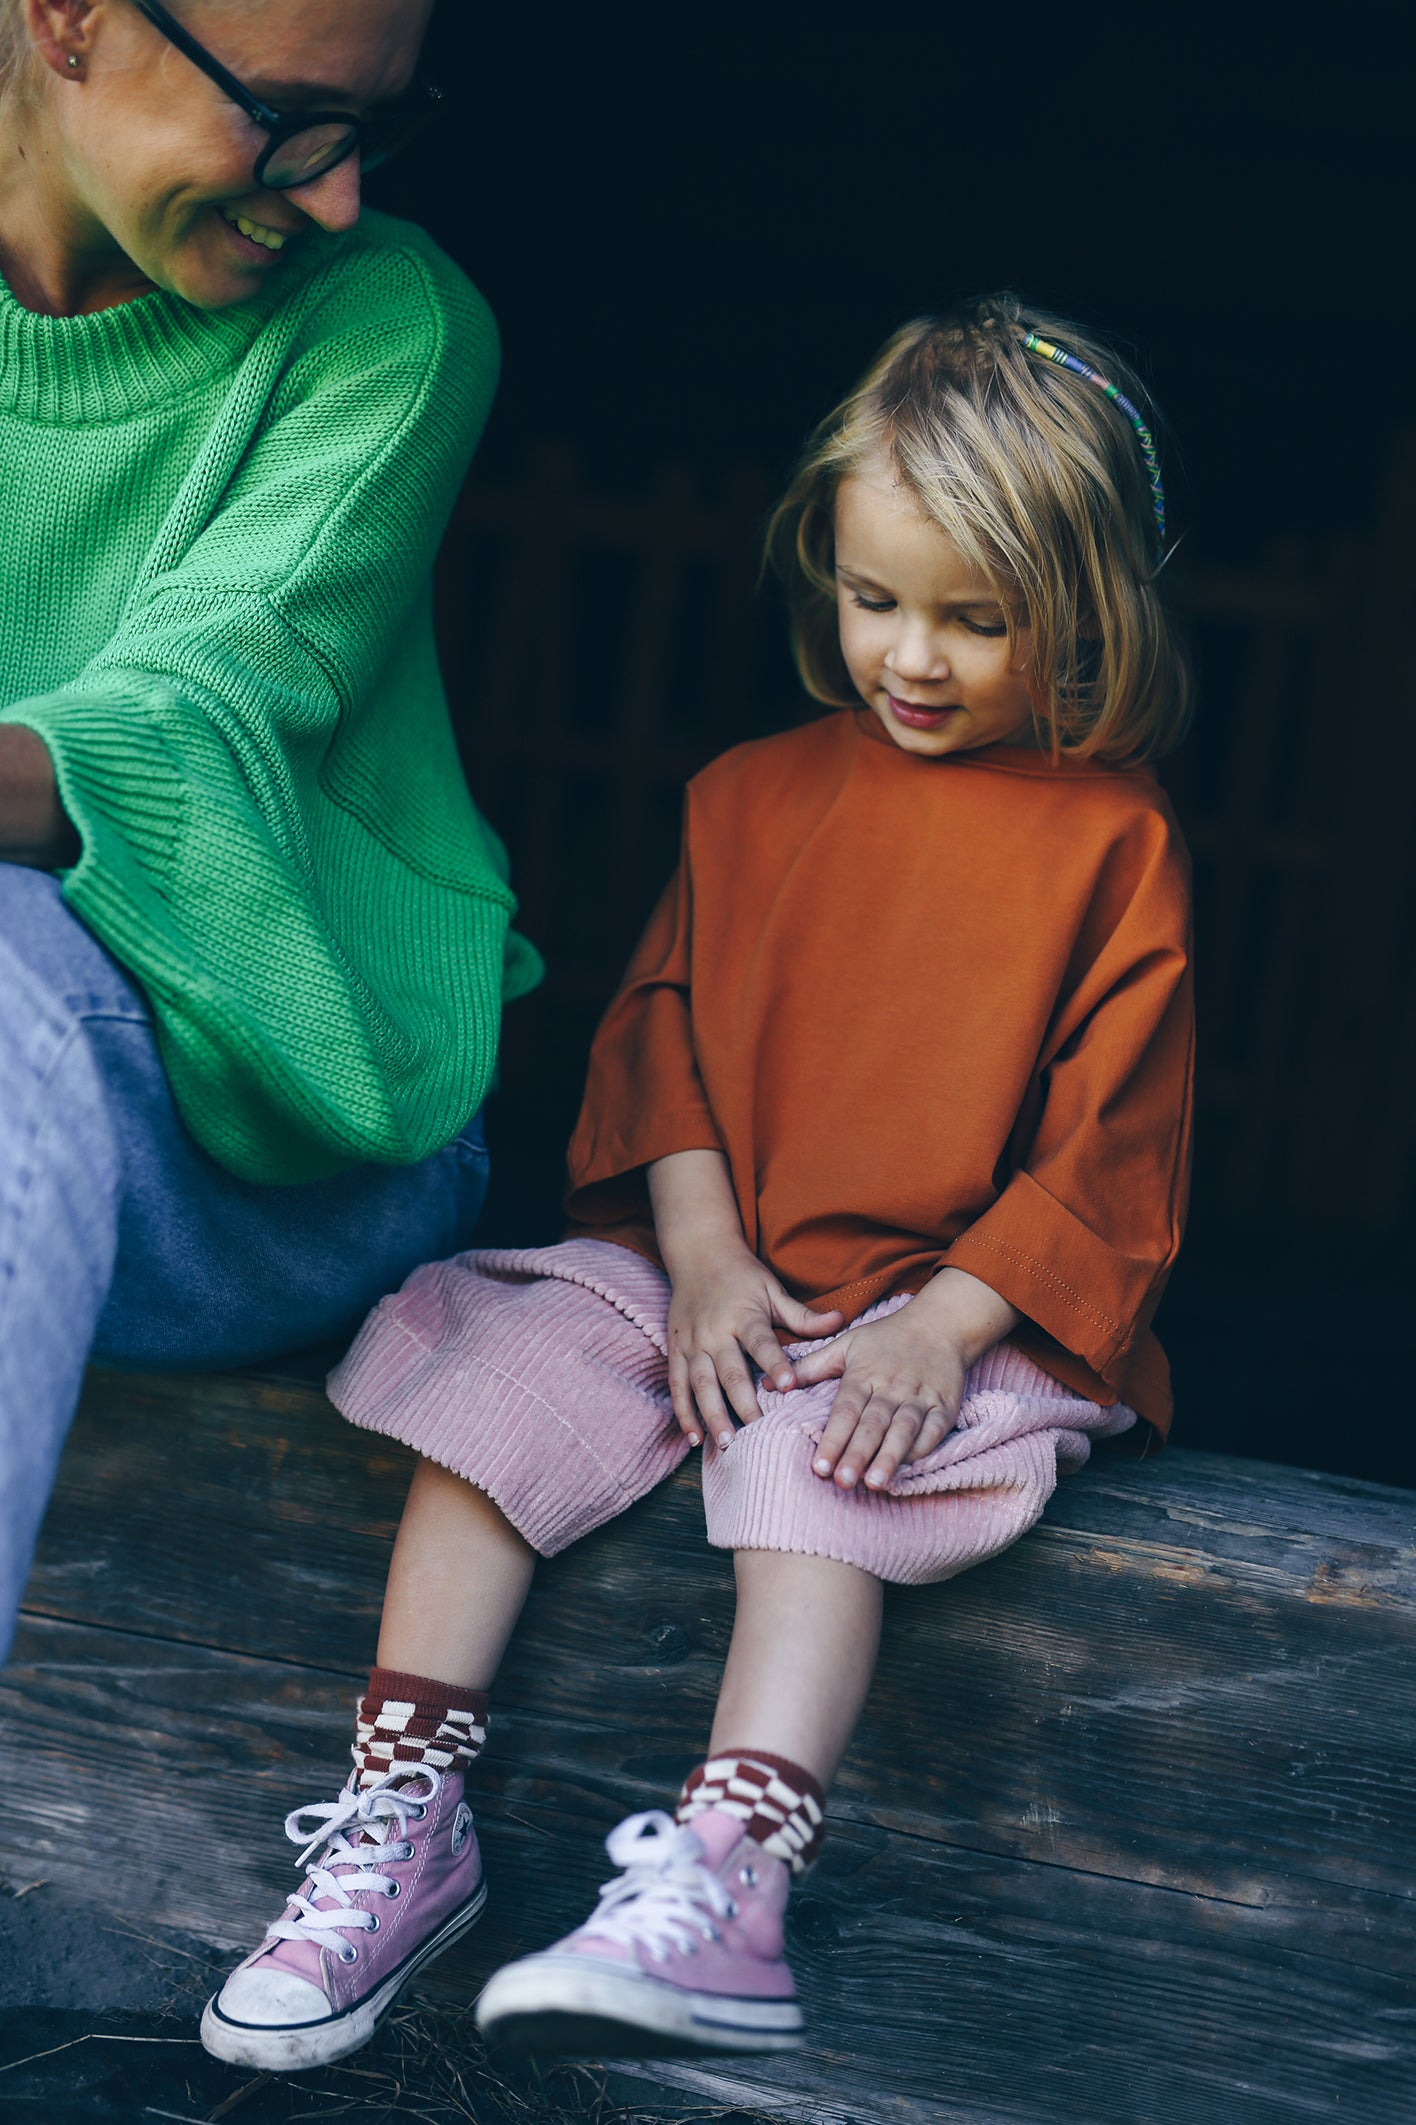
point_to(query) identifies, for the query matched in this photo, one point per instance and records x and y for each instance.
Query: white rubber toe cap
(271, 1999)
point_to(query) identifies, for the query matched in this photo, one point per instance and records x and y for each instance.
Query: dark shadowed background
(694, 230)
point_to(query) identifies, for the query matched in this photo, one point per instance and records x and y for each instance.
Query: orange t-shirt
(931, 1011)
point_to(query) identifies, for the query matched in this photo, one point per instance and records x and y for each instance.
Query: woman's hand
(726, 1308)
(34, 827)
(902, 1379)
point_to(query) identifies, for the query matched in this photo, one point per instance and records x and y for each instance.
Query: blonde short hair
(14, 47)
(1038, 479)
(19, 69)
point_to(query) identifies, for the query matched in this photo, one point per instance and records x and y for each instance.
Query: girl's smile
(916, 716)
(923, 634)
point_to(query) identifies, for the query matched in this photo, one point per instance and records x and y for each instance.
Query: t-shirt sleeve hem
(1033, 1252)
(660, 1135)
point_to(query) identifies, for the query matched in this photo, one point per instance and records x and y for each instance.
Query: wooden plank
(1130, 1809)
(942, 1983)
(1196, 1673)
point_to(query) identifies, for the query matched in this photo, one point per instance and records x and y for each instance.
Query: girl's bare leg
(459, 1577)
(803, 1652)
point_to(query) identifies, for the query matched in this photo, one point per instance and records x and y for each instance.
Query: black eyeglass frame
(419, 103)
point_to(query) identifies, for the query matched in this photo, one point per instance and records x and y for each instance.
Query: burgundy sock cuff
(793, 1774)
(387, 1684)
(779, 1803)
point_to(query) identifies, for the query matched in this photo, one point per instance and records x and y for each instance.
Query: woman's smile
(255, 242)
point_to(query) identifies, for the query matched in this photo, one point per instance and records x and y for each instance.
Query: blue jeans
(121, 1239)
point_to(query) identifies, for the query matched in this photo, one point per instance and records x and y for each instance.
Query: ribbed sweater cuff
(104, 762)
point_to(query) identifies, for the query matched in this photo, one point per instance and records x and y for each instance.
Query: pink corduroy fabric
(540, 1374)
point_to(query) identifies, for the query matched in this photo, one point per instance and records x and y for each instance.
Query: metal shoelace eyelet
(349, 1954)
(748, 1877)
(393, 1889)
(731, 1911)
(373, 1925)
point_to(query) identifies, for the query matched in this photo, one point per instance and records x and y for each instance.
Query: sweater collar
(72, 371)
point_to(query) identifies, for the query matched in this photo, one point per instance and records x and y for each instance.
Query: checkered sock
(412, 1719)
(777, 1802)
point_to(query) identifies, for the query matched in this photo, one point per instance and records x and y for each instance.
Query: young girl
(879, 1174)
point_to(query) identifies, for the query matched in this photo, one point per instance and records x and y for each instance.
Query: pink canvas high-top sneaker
(393, 1876)
(683, 1953)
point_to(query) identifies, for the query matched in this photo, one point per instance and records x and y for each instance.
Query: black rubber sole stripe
(555, 2033)
(466, 1915)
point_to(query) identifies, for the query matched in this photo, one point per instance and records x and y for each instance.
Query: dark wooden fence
(599, 649)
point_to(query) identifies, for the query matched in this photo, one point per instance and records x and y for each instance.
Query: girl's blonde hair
(1038, 479)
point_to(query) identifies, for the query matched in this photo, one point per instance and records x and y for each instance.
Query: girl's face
(924, 638)
(146, 159)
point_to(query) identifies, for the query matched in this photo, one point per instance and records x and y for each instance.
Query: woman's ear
(62, 33)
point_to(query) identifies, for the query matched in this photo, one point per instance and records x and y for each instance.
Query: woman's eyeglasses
(304, 145)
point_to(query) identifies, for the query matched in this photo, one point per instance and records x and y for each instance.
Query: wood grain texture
(1131, 1808)
(926, 1968)
(1182, 1648)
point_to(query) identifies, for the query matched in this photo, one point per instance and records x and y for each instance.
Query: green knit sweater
(217, 530)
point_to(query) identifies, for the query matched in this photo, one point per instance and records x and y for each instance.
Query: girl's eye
(872, 604)
(991, 629)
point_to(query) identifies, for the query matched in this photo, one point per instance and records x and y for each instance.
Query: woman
(253, 934)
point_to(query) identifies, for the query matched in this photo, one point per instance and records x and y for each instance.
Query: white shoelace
(352, 1833)
(666, 1897)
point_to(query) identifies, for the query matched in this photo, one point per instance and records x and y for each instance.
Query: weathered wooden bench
(1128, 1836)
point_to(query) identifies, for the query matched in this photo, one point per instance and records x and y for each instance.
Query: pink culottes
(541, 1376)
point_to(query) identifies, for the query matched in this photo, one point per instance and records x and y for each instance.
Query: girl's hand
(726, 1309)
(902, 1379)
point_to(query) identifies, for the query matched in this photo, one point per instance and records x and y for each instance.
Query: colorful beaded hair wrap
(1146, 440)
